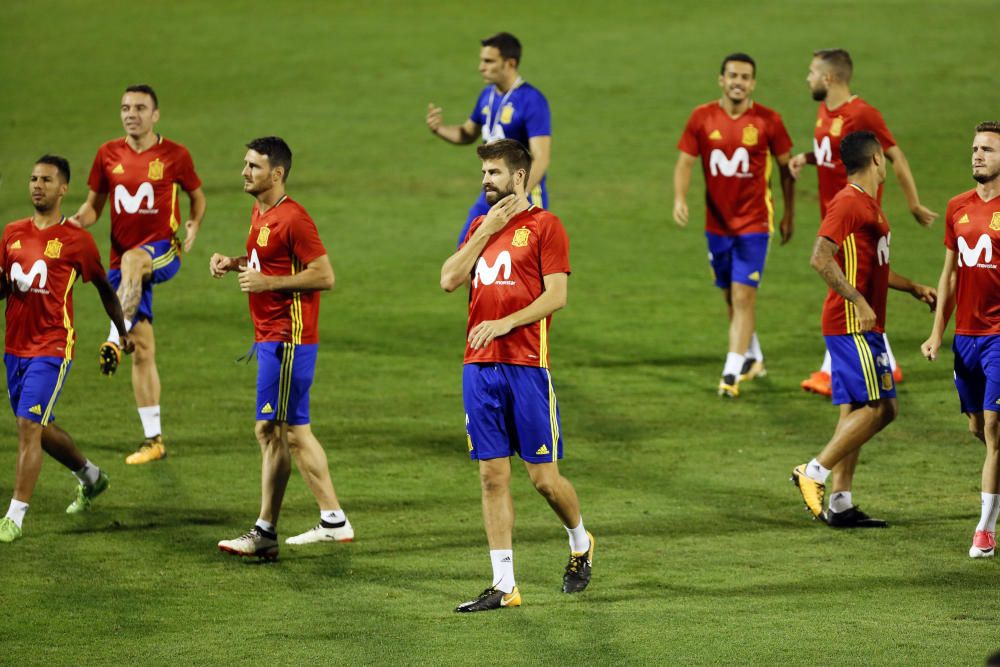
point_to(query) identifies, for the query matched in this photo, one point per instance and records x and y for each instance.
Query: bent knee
(136, 264)
(264, 432)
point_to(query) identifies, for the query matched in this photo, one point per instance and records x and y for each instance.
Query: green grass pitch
(705, 555)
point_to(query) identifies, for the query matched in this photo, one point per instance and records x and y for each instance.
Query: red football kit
(855, 222)
(40, 266)
(282, 241)
(736, 159)
(142, 191)
(854, 115)
(508, 276)
(972, 231)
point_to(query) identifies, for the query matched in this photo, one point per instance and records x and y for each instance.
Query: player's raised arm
(946, 304)
(787, 226)
(316, 276)
(901, 166)
(90, 210)
(682, 181)
(456, 269)
(466, 133)
(193, 223)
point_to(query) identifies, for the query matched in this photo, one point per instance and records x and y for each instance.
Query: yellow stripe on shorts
(867, 367)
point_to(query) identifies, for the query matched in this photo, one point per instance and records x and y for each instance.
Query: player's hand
(925, 294)
(681, 213)
(923, 215)
(434, 118)
(219, 265)
(866, 316)
(125, 344)
(253, 281)
(483, 333)
(787, 228)
(929, 348)
(190, 232)
(795, 165)
(499, 215)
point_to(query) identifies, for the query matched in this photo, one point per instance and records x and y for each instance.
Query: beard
(493, 196)
(819, 94)
(985, 178)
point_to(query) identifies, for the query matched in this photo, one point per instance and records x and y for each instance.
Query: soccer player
(851, 253)
(41, 257)
(142, 173)
(284, 270)
(736, 138)
(517, 258)
(508, 108)
(970, 284)
(839, 114)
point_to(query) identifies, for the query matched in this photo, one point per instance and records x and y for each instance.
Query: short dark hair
(507, 44)
(512, 152)
(144, 88)
(57, 161)
(277, 151)
(837, 60)
(739, 58)
(989, 126)
(857, 149)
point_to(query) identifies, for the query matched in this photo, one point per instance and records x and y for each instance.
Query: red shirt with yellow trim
(40, 267)
(142, 189)
(736, 159)
(855, 222)
(972, 231)
(508, 276)
(282, 241)
(855, 115)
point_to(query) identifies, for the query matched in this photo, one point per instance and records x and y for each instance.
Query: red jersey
(142, 189)
(508, 276)
(736, 159)
(282, 241)
(855, 222)
(972, 231)
(854, 115)
(40, 266)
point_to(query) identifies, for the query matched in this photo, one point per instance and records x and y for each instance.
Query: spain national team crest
(155, 170)
(836, 127)
(750, 135)
(507, 114)
(521, 236)
(53, 248)
(262, 236)
(995, 221)
(886, 381)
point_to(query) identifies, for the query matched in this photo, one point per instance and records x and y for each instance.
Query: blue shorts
(737, 259)
(166, 264)
(284, 375)
(977, 372)
(33, 384)
(859, 369)
(537, 197)
(511, 410)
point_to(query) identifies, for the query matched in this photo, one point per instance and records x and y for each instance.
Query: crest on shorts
(155, 170)
(837, 126)
(995, 221)
(262, 236)
(886, 381)
(507, 114)
(520, 239)
(468, 441)
(53, 248)
(750, 135)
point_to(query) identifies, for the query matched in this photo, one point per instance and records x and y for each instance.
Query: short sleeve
(839, 220)
(186, 174)
(689, 138)
(950, 241)
(538, 121)
(88, 258)
(472, 229)
(304, 239)
(553, 247)
(98, 180)
(780, 141)
(477, 116)
(872, 120)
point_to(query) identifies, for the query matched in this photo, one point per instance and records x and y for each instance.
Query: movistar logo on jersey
(823, 152)
(979, 255)
(737, 165)
(135, 203)
(489, 274)
(253, 261)
(882, 250)
(25, 281)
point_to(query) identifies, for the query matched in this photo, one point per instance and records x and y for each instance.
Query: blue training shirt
(520, 113)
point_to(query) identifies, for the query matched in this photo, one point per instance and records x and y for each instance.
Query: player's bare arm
(826, 266)
(220, 265)
(466, 133)
(109, 298)
(316, 276)
(798, 161)
(456, 269)
(901, 166)
(541, 157)
(193, 224)
(551, 300)
(682, 181)
(946, 300)
(787, 226)
(923, 293)
(90, 210)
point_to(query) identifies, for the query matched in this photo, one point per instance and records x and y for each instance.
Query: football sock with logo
(754, 351)
(827, 363)
(113, 336)
(150, 416)
(88, 474)
(991, 508)
(841, 501)
(332, 518)
(579, 541)
(503, 569)
(734, 364)
(267, 528)
(16, 511)
(817, 472)
(888, 351)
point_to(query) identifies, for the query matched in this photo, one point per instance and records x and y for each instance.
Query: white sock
(991, 508)
(754, 351)
(333, 517)
(16, 511)
(841, 501)
(734, 364)
(579, 541)
(88, 474)
(503, 569)
(267, 526)
(817, 472)
(827, 363)
(888, 351)
(113, 336)
(150, 416)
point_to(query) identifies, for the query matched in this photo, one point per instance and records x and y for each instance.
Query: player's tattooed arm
(826, 266)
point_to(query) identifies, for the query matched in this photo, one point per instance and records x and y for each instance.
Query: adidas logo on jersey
(118, 170)
(715, 135)
(542, 451)
(267, 409)
(16, 245)
(35, 409)
(964, 219)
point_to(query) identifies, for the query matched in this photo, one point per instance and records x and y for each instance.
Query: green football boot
(85, 494)
(9, 531)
